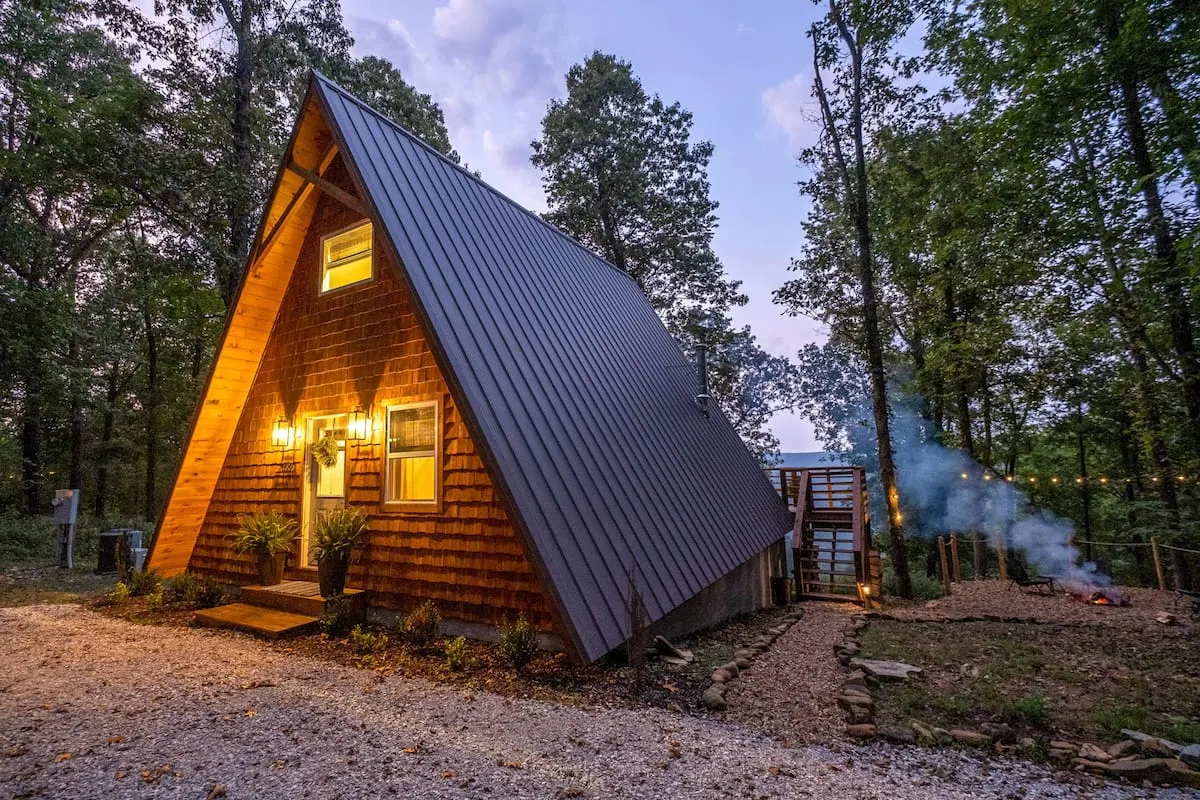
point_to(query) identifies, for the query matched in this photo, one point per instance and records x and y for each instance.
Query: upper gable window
(346, 258)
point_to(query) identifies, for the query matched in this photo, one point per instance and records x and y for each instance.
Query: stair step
(269, 622)
(298, 597)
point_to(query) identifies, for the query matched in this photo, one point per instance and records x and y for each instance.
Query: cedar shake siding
(363, 345)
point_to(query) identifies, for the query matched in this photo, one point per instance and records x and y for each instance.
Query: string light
(964, 476)
(1054, 479)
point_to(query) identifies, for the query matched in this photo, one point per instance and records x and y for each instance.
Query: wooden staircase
(831, 540)
(291, 608)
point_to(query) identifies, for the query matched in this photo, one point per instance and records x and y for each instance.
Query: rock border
(713, 697)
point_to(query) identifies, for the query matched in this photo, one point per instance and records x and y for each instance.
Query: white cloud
(504, 45)
(743, 28)
(790, 108)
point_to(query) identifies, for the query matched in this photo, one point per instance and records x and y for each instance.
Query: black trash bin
(110, 544)
(780, 594)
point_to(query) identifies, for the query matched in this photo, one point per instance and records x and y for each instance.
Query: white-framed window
(346, 257)
(411, 471)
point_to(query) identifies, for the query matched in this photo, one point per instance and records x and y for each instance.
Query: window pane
(346, 258)
(411, 430)
(412, 478)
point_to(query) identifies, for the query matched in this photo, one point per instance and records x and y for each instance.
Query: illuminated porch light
(359, 427)
(282, 434)
(1008, 478)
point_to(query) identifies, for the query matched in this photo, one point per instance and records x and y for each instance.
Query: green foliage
(338, 531)
(1113, 716)
(266, 532)
(339, 617)
(363, 642)
(201, 591)
(420, 626)
(143, 583)
(325, 451)
(120, 592)
(518, 642)
(154, 600)
(25, 540)
(1031, 709)
(456, 653)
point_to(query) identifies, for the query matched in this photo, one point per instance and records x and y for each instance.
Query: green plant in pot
(338, 531)
(269, 536)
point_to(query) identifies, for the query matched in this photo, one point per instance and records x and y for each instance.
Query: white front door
(324, 484)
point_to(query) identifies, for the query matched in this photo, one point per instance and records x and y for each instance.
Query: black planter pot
(331, 575)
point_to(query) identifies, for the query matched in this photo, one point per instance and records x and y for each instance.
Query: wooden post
(945, 570)
(1002, 554)
(1162, 581)
(954, 562)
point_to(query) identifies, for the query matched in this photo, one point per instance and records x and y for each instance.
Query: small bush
(420, 626)
(154, 601)
(1028, 709)
(364, 643)
(143, 583)
(266, 532)
(518, 642)
(338, 618)
(199, 590)
(120, 593)
(456, 653)
(27, 539)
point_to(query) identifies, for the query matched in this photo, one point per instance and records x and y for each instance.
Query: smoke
(944, 490)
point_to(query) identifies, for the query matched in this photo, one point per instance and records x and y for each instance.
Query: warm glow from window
(412, 454)
(346, 258)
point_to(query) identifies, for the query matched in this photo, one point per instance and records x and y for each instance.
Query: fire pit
(1098, 595)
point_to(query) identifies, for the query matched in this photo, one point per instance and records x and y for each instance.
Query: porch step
(268, 622)
(298, 597)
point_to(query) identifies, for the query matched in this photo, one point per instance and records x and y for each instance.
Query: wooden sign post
(956, 570)
(1162, 581)
(945, 569)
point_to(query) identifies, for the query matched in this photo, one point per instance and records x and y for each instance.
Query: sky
(743, 70)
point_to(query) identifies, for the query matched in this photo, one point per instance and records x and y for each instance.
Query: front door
(324, 476)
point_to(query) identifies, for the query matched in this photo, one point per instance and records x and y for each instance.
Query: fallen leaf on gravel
(215, 792)
(569, 791)
(416, 748)
(116, 739)
(449, 773)
(63, 757)
(17, 750)
(671, 687)
(279, 763)
(121, 775)
(467, 696)
(257, 685)
(250, 712)
(514, 765)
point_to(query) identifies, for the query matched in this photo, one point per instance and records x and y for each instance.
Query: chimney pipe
(702, 377)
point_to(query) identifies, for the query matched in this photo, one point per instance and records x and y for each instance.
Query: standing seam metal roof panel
(579, 395)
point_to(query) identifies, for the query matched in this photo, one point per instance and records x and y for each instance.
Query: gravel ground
(92, 707)
(995, 598)
(791, 691)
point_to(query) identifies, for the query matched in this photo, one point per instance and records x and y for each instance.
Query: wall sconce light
(360, 425)
(282, 434)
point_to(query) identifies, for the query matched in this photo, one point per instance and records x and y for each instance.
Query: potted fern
(269, 536)
(336, 534)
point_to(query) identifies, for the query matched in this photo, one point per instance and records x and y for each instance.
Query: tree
(623, 176)
(863, 79)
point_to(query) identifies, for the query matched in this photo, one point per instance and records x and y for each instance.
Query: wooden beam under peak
(342, 196)
(297, 196)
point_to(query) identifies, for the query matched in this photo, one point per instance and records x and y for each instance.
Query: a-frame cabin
(510, 412)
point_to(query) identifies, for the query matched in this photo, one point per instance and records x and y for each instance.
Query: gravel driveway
(92, 707)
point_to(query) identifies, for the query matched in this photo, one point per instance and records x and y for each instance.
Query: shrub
(154, 601)
(518, 642)
(120, 593)
(143, 583)
(266, 532)
(1030, 708)
(201, 591)
(456, 653)
(24, 539)
(420, 626)
(364, 643)
(338, 618)
(337, 532)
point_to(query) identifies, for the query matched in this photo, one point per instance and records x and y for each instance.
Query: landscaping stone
(924, 734)
(1026, 743)
(1190, 755)
(1170, 769)
(743, 664)
(1060, 744)
(848, 701)
(998, 730)
(1091, 766)
(720, 675)
(1159, 748)
(1157, 744)
(897, 733)
(745, 652)
(971, 738)
(1059, 754)
(862, 731)
(854, 688)
(859, 714)
(887, 670)
(714, 698)
(1093, 753)
(941, 735)
(731, 668)
(1123, 748)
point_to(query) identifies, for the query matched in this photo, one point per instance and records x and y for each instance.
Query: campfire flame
(1098, 595)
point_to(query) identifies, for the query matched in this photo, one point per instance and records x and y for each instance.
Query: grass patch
(1047, 681)
(28, 586)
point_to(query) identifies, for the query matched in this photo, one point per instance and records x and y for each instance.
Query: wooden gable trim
(243, 342)
(557, 608)
(343, 197)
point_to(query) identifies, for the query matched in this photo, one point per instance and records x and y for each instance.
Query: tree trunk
(31, 447)
(1085, 489)
(151, 411)
(103, 456)
(240, 203)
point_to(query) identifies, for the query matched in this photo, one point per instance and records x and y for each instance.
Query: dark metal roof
(575, 392)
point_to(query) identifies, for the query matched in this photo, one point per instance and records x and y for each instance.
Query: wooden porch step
(268, 622)
(298, 597)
